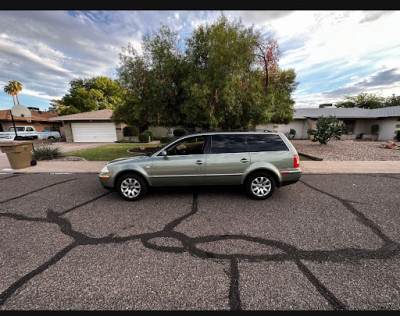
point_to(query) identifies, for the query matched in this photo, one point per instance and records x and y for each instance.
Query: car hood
(127, 159)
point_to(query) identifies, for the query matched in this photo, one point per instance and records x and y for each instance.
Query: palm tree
(13, 88)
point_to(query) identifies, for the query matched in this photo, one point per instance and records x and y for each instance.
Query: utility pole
(15, 129)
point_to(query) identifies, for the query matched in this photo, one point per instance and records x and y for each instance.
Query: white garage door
(94, 132)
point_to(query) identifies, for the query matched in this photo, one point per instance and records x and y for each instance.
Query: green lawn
(109, 152)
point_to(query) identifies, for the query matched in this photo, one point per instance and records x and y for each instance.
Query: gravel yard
(347, 150)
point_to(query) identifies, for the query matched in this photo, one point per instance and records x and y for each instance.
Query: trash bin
(19, 154)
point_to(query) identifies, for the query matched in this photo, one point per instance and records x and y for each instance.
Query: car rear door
(227, 159)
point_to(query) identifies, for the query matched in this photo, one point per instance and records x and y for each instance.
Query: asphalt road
(328, 242)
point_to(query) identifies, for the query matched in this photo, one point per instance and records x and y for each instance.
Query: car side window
(266, 142)
(29, 129)
(188, 146)
(228, 144)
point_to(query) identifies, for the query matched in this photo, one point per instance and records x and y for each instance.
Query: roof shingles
(36, 116)
(93, 115)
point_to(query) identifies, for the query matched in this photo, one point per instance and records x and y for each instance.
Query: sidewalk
(307, 167)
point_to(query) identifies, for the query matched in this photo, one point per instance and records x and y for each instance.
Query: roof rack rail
(220, 131)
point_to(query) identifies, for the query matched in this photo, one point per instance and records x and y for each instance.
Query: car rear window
(228, 144)
(265, 142)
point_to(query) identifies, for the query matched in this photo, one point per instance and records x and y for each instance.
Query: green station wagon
(259, 161)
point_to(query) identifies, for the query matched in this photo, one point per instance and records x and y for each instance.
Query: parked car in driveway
(257, 160)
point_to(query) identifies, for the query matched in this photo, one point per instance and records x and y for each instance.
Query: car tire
(260, 185)
(131, 187)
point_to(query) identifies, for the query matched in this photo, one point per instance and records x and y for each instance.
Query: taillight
(296, 161)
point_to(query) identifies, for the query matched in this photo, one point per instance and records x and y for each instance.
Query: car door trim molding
(197, 175)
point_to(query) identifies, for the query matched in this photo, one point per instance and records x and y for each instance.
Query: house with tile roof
(358, 122)
(39, 119)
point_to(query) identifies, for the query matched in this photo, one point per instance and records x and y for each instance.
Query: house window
(348, 126)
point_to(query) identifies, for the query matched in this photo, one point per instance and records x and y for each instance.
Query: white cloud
(38, 54)
(329, 50)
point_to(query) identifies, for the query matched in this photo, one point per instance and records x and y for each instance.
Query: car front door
(183, 164)
(227, 159)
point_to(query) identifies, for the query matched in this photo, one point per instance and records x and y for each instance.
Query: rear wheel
(260, 186)
(131, 187)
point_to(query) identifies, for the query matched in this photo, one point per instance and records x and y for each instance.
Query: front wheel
(260, 186)
(131, 187)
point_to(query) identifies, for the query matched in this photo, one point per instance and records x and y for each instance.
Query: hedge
(144, 138)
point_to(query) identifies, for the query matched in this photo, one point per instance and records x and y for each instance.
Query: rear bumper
(290, 177)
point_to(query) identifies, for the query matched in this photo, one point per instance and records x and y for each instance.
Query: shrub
(374, 129)
(149, 132)
(144, 138)
(178, 132)
(130, 131)
(164, 140)
(327, 127)
(46, 153)
(292, 133)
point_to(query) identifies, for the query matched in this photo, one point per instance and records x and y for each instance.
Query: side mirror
(164, 153)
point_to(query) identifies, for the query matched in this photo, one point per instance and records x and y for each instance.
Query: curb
(310, 157)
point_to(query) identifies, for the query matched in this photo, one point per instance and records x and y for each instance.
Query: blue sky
(334, 53)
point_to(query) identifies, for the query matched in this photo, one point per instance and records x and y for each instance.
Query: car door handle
(244, 160)
(199, 162)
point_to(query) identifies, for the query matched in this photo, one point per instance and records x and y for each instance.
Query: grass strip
(108, 152)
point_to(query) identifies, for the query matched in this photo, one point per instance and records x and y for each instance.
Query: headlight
(104, 173)
(104, 170)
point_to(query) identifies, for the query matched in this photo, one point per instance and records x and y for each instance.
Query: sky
(334, 53)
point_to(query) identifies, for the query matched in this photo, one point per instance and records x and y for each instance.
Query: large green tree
(392, 101)
(222, 79)
(90, 94)
(362, 100)
(153, 80)
(279, 97)
(226, 77)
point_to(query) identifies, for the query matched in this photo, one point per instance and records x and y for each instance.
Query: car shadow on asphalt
(212, 189)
